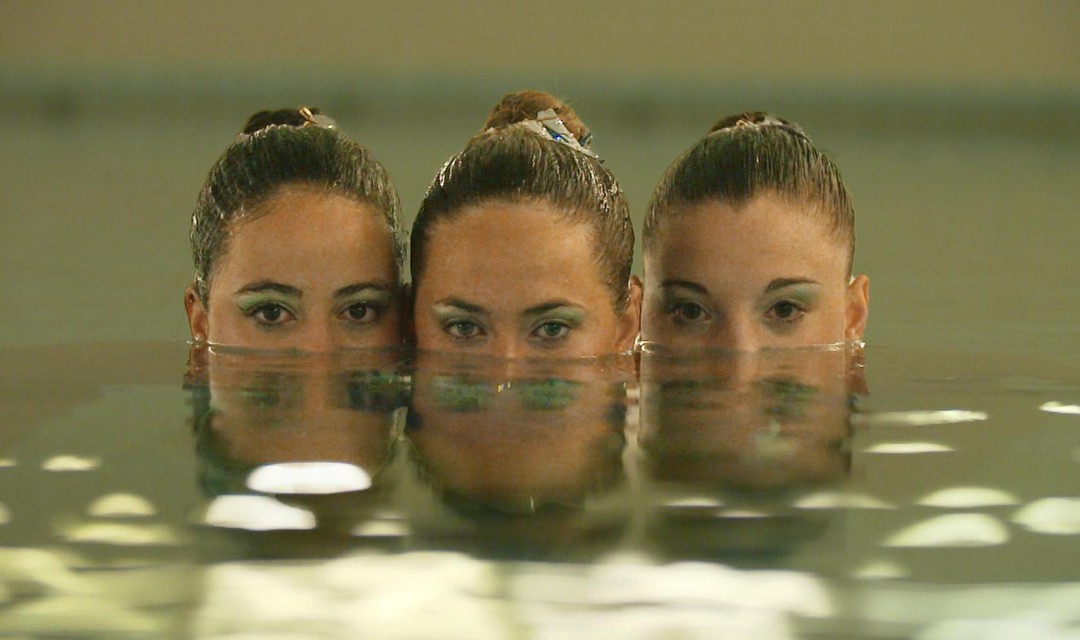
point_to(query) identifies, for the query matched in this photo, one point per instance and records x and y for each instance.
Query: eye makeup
(563, 318)
(375, 299)
(374, 296)
(572, 316)
(805, 295)
(249, 303)
(251, 297)
(458, 322)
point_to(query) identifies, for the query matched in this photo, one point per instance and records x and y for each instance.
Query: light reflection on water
(391, 495)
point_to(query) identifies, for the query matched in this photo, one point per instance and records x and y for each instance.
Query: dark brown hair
(278, 148)
(746, 155)
(508, 161)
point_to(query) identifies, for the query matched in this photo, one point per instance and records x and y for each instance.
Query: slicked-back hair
(274, 154)
(514, 164)
(753, 154)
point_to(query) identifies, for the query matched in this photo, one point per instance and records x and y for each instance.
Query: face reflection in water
(752, 421)
(313, 271)
(516, 442)
(762, 276)
(517, 280)
(267, 410)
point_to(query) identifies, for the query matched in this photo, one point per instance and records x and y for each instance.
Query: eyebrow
(461, 304)
(358, 287)
(541, 309)
(780, 283)
(687, 284)
(267, 285)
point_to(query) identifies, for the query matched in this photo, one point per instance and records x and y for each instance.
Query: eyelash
(450, 326)
(563, 326)
(798, 313)
(259, 310)
(374, 309)
(677, 311)
(453, 329)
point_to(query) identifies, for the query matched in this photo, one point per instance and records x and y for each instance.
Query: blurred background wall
(954, 122)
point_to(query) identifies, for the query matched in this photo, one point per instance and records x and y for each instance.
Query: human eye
(270, 314)
(551, 330)
(361, 312)
(786, 311)
(687, 312)
(463, 329)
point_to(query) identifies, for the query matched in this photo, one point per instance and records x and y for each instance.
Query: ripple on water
(841, 500)
(308, 478)
(906, 448)
(121, 505)
(968, 497)
(918, 418)
(1055, 516)
(125, 535)
(71, 463)
(1064, 409)
(953, 530)
(880, 570)
(256, 513)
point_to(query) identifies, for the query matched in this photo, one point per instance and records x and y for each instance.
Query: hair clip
(765, 121)
(316, 119)
(549, 125)
(760, 121)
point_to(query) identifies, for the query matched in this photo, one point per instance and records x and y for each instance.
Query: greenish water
(149, 492)
(782, 498)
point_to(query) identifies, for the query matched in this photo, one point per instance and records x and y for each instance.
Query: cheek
(224, 321)
(827, 324)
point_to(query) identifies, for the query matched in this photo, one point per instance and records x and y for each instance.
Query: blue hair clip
(549, 125)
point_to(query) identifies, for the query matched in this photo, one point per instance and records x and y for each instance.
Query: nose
(737, 333)
(740, 369)
(506, 346)
(317, 337)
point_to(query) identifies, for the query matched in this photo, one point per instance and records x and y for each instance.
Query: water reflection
(312, 436)
(519, 456)
(730, 442)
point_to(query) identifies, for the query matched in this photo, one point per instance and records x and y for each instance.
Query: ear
(858, 307)
(629, 323)
(856, 371)
(198, 319)
(198, 366)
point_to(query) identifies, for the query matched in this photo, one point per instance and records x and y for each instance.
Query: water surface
(149, 492)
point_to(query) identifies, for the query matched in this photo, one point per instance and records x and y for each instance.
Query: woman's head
(295, 220)
(749, 241)
(524, 220)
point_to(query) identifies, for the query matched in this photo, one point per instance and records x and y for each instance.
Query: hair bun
(756, 118)
(301, 117)
(525, 105)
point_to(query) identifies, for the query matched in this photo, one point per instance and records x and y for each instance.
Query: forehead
(524, 247)
(304, 229)
(764, 238)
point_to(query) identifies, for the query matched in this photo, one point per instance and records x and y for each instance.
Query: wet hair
(751, 154)
(275, 149)
(509, 161)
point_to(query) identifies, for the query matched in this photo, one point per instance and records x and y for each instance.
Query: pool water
(151, 490)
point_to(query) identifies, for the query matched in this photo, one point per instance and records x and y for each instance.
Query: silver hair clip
(549, 125)
(316, 119)
(767, 121)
